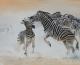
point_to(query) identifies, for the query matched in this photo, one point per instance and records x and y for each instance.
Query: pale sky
(30, 4)
(65, 6)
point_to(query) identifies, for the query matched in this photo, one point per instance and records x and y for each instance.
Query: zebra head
(27, 23)
(34, 18)
(37, 16)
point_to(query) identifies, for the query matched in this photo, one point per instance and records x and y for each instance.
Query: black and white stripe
(63, 34)
(27, 36)
(67, 21)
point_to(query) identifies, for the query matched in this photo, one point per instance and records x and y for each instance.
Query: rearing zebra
(27, 36)
(55, 31)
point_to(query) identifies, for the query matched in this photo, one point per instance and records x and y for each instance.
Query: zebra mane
(43, 12)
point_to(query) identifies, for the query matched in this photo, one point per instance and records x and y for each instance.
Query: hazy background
(13, 11)
(71, 6)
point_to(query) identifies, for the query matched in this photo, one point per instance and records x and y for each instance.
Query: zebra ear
(22, 22)
(30, 17)
(25, 18)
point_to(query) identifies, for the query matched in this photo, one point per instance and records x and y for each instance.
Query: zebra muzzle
(33, 26)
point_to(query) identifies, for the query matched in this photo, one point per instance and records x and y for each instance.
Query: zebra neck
(29, 30)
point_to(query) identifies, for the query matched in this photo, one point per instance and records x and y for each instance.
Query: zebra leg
(25, 51)
(70, 46)
(33, 44)
(77, 45)
(45, 39)
(73, 50)
(67, 47)
(25, 45)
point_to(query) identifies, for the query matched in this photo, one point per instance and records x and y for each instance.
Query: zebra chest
(30, 34)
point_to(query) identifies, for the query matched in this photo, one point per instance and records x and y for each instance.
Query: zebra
(57, 32)
(27, 36)
(67, 21)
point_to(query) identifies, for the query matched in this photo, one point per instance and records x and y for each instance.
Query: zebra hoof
(25, 53)
(50, 45)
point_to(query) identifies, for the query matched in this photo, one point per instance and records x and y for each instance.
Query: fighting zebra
(27, 36)
(67, 21)
(52, 29)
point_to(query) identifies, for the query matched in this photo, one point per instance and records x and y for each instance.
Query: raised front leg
(45, 39)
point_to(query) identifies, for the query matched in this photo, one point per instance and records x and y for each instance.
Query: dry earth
(6, 60)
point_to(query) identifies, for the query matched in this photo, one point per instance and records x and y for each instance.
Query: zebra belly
(67, 37)
(28, 40)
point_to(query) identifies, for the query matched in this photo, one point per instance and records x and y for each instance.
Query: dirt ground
(6, 60)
